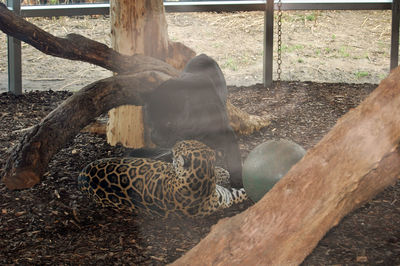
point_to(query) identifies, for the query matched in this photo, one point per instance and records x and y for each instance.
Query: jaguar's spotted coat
(187, 187)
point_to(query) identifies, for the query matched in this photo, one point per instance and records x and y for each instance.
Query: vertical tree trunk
(140, 27)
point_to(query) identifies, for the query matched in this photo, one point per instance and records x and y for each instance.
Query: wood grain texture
(140, 27)
(357, 159)
(125, 127)
(29, 159)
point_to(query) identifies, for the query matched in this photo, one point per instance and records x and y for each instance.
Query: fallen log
(357, 159)
(243, 123)
(29, 159)
(256, 122)
(99, 127)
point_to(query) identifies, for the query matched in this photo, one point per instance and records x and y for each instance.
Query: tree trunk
(140, 27)
(125, 126)
(357, 159)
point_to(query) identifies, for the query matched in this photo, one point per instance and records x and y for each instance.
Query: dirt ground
(321, 46)
(53, 223)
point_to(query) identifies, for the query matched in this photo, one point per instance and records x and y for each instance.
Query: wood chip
(20, 213)
(362, 259)
(157, 258)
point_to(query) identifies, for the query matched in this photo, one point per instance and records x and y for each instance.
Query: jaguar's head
(194, 167)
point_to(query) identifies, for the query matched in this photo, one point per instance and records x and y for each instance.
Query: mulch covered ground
(54, 223)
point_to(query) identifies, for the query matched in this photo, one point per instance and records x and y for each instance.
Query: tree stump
(140, 27)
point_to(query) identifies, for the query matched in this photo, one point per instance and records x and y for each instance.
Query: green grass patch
(291, 48)
(343, 52)
(382, 76)
(361, 74)
(231, 64)
(306, 17)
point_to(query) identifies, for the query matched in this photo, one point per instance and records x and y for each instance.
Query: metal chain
(279, 61)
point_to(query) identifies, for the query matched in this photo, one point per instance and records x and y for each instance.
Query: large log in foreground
(357, 159)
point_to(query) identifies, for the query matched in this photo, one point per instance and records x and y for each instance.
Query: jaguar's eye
(182, 161)
(179, 161)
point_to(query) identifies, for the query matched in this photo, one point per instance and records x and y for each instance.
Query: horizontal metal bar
(65, 10)
(336, 5)
(214, 6)
(208, 6)
(227, 6)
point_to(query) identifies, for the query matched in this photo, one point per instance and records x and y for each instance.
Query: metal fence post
(268, 43)
(394, 53)
(14, 56)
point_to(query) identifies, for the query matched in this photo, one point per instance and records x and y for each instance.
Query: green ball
(267, 164)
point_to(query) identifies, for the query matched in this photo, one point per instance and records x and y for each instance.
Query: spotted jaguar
(186, 187)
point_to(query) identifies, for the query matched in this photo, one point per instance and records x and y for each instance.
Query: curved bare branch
(29, 159)
(77, 47)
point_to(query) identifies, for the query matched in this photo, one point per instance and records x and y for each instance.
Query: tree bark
(140, 27)
(125, 126)
(243, 123)
(77, 47)
(357, 159)
(29, 159)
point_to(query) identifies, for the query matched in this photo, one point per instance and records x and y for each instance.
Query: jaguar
(186, 187)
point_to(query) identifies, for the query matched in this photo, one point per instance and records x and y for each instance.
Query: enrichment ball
(267, 164)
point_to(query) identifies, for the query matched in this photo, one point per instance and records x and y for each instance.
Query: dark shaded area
(53, 223)
(192, 106)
